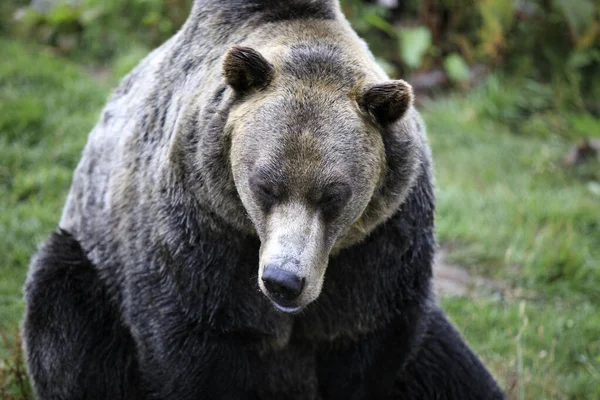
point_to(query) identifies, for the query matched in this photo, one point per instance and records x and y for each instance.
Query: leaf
(588, 37)
(456, 68)
(585, 125)
(91, 15)
(594, 188)
(414, 43)
(380, 23)
(498, 18)
(578, 13)
(579, 59)
(63, 13)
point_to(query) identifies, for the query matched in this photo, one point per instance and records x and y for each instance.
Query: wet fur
(149, 290)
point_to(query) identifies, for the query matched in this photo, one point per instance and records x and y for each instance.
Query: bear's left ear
(245, 68)
(387, 102)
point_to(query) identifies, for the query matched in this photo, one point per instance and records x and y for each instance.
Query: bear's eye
(334, 199)
(264, 193)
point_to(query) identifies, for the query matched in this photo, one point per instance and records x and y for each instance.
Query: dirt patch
(455, 280)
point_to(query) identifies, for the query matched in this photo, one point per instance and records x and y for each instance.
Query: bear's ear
(245, 68)
(387, 102)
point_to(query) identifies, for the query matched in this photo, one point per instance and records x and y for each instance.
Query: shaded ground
(455, 280)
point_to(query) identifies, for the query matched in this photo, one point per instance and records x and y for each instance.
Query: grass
(538, 349)
(516, 212)
(507, 209)
(47, 106)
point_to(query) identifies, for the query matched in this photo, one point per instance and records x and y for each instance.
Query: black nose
(282, 285)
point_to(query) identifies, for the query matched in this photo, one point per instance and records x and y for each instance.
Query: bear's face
(307, 158)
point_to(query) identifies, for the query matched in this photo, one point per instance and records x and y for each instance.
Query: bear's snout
(284, 287)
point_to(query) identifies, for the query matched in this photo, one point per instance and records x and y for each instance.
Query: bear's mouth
(287, 309)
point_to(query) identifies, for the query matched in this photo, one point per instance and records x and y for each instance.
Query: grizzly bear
(252, 218)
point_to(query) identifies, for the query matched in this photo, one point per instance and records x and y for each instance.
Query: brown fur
(245, 68)
(262, 132)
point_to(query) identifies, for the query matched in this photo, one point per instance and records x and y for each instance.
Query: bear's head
(320, 155)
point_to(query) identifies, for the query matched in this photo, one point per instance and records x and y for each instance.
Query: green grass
(507, 209)
(508, 203)
(538, 349)
(47, 107)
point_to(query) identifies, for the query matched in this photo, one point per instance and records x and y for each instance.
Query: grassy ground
(507, 209)
(46, 106)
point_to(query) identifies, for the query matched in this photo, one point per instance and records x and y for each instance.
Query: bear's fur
(152, 287)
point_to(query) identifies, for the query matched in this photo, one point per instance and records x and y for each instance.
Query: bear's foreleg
(445, 368)
(75, 345)
(366, 368)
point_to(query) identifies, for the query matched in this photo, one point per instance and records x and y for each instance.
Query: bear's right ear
(387, 102)
(245, 68)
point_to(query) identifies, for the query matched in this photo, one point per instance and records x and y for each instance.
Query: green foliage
(512, 106)
(47, 108)
(556, 42)
(553, 42)
(537, 348)
(516, 212)
(579, 15)
(102, 28)
(7, 11)
(14, 383)
(456, 68)
(414, 43)
(497, 16)
(507, 208)
(532, 108)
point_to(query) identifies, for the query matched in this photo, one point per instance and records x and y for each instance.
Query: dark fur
(322, 60)
(77, 346)
(387, 102)
(157, 298)
(244, 69)
(265, 11)
(181, 356)
(217, 347)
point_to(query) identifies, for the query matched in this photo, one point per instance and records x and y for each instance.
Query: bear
(252, 218)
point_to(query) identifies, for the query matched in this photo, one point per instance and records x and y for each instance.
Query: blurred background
(510, 91)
